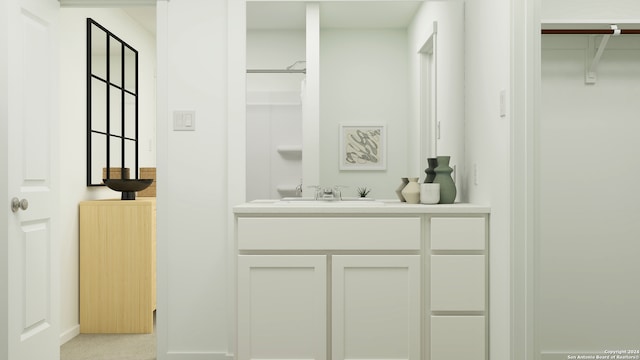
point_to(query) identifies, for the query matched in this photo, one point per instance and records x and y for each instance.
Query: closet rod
(588, 31)
(268, 71)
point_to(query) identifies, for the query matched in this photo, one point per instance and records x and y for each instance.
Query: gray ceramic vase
(443, 177)
(405, 181)
(430, 171)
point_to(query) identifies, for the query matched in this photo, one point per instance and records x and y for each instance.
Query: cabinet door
(458, 283)
(376, 307)
(116, 261)
(458, 337)
(282, 307)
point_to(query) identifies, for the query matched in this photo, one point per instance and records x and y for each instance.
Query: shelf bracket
(592, 63)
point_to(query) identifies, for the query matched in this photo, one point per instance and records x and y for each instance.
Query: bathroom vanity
(350, 280)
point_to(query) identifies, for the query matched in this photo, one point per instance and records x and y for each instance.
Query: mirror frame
(120, 88)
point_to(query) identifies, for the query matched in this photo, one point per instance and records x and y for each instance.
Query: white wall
(73, 134)
(450, 85)
(487, 148)
(598, 10)
(192, 216)
(364, 79)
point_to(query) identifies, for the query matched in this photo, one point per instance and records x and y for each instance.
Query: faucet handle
(338, 190)
(299, 188)
(317, 188)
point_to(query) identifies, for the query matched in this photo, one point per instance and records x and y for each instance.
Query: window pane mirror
(112, 106)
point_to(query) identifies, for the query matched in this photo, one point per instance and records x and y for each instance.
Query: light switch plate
(184, 121)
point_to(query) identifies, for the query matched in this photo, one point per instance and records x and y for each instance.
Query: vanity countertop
(356, 207)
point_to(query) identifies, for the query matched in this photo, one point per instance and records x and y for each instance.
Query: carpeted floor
(110, 347)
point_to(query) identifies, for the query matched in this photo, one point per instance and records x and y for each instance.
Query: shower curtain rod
(588, 31)
(276, 71)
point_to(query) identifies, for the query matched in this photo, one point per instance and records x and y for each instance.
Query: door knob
(17, 204)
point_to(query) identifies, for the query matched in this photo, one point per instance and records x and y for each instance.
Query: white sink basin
(344, 202)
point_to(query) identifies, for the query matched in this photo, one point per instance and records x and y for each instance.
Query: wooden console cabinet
(117, 265)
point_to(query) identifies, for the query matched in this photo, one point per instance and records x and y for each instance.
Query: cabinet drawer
(458, 283)
(321, 233)
(458, 337)
(457, 233)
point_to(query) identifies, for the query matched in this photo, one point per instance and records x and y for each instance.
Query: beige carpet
(110, 347)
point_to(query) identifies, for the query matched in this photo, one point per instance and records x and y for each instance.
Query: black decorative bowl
(128, 187)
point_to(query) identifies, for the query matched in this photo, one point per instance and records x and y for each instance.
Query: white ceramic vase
(429, 193)
(411, 192)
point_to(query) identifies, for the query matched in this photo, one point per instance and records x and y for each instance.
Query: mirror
(112, 106)
(364, 54)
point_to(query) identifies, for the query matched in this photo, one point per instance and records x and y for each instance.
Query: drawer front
(458, 283)
(458, 337)
(458, 233)
(337, 233)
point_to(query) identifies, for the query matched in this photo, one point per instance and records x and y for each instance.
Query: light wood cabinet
(117, 265)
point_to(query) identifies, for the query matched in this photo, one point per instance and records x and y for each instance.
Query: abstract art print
(363, 147)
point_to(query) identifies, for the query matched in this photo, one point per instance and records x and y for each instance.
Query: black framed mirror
(112, 106)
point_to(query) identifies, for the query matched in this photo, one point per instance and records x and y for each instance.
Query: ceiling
(369, 14)
(292, 14)
(333, 14)
(144, 15)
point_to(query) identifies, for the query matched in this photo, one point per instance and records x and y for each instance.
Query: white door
(29, 110)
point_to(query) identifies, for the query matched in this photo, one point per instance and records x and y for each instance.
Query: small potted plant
(363, 191)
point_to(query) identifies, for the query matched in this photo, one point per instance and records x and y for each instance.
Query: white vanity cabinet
(329, 287)
(457, 287)
(398, 282)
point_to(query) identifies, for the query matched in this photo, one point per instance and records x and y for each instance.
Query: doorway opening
(137, 26)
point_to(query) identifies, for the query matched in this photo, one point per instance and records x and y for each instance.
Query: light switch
(184, 121)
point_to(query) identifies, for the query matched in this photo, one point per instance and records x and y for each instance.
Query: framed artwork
(363, 147)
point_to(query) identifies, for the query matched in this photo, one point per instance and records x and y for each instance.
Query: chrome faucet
(328, 193)
(299, 189)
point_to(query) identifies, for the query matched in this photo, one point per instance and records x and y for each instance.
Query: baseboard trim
(195, 356)
(69, 334)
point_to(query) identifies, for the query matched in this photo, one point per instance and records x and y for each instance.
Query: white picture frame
(363, 147)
